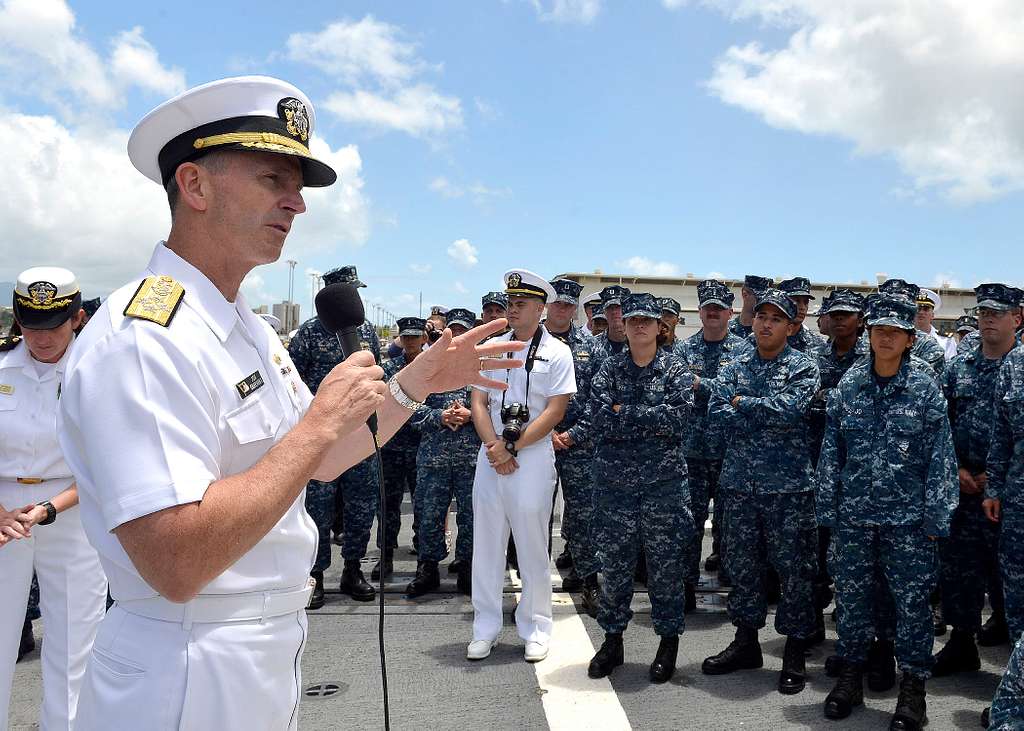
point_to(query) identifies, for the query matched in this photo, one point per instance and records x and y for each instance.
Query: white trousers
(520, 502)
(163, 676)
(72, 599)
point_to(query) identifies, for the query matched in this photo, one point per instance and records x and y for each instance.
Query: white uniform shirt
(553, 374)
(151, 415)
(948, 344)
(28, 420)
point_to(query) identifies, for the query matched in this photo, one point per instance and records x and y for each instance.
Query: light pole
(288, 325)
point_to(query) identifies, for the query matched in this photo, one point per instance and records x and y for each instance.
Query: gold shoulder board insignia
(156, 300)
(9, 343)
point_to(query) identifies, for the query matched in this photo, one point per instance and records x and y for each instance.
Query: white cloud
(42, 54)
(419, 111)
(356, 52)
(445, 188)
(567, 11)
(460, 287)
(55, 212)
(378, 70)
(924, 82)
(254, 287)
(463, 254)
(421, 269)
(486, 109)
(648, 267)
(134, 62)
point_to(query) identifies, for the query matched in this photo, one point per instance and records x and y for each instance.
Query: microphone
(340, 310)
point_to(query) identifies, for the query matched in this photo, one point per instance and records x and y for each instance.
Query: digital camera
(514, 417)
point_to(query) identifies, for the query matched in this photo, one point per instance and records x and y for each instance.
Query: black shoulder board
(9, 343)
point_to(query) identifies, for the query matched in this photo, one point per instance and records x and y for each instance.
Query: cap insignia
(295, 117)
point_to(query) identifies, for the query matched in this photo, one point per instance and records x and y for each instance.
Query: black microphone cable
(380, 582)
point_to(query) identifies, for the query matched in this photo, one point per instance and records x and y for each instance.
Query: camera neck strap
(531, 355)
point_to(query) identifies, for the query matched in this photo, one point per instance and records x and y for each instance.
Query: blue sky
(726, 136)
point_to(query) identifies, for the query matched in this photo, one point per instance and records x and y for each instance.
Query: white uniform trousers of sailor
(72, 598)
(158, 675)
(520, 502)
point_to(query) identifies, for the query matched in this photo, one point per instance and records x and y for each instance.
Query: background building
(954, 299)
(288, 314)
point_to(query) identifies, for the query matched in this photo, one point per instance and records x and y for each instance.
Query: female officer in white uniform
(40, 528)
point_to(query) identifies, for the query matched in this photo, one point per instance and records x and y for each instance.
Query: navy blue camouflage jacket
(888, 457)
(969, 383)
(440, 445)
(767, 450)
(315, 351)
(577, 414)
(407, 438)
(702, 440)
(1005, 466)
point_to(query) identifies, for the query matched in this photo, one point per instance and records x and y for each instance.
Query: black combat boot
(960, 655)
(793, 677)
(881, 665)
(426, 580)
(664, 665)
(819, 630)
(453, 567)
(847, 693)
(833, 666)
(316, 599)
(743, 653)
(564, 559)
(712, 562)
(354, 584)
(465, 581)
(608, 657)
(385, 563)
(572, 581)
(986, 715)
(591, 595)
(910, 706)
(690, 602)
(28, 640)
(994, 632)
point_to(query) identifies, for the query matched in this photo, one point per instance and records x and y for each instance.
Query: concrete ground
(432, 686)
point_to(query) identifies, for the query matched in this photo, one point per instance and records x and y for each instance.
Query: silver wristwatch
(401, 396)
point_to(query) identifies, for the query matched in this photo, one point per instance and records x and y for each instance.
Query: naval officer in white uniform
(515, 478)
(40, 528)
(192, 436)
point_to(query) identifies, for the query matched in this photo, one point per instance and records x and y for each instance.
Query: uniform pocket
(116, 666)
(8, 402)
(256, 420)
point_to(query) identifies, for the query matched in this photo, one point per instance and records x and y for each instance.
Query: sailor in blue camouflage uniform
(667, 340)
(1007, 713)
(965, 325)
(887, 487)
(445, 464)
(348, 503)
(493, 305)
(399, 454)
(762, 398)
(573, 447)
(613, 341)
(799, 290)
(753, 285)
(705, 353)
(641, 401)
(598, 321)
(970, 554)
(925, 347)
(1004, 491)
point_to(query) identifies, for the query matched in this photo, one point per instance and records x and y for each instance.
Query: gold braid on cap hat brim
(53, 305)
(259, 140)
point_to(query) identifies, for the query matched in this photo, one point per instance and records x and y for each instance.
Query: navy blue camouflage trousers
(436, 484)
(576, 476)
(908, 561)
(1011, 549)
(399, 476)
(355, 495)
(778, 531)
(653, 515)
(970, 555)
(703, 479)
(1008, 704)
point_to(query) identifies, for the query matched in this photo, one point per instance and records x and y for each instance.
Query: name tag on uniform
(249, 384)
(6, 389)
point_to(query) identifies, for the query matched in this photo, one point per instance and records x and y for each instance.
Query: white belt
(248, 607)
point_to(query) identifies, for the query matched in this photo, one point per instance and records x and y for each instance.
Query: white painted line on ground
(571, 699)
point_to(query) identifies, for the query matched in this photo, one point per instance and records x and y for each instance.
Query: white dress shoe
(479, 649)
(535, 651)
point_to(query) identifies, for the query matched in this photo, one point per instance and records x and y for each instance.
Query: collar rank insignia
(157, 300)
(6, 389)
(295, 116)
(248, 385)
